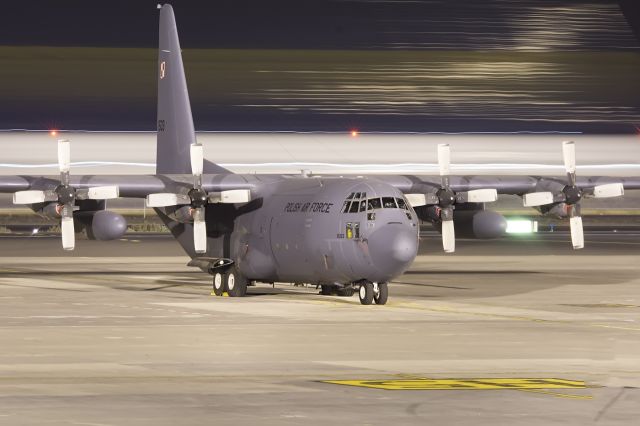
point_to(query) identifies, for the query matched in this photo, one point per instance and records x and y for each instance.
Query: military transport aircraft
(342, 233)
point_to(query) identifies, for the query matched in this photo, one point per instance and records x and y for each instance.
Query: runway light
(522, 226)
(53, 133)
(354, 133)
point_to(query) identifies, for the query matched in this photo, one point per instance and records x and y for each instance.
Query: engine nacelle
(477, 224)
(481, 224)
(102, 225)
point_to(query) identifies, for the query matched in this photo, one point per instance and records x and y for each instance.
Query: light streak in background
(468, 88)
(426, 168)
(522, 25)
(520, 61)
(312, 132)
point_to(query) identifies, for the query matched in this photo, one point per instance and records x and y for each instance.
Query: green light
(521, 226)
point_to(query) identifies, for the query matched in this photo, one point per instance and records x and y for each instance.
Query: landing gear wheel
(327, 290)
(236, 283)
(366, 293)
(218, 283)
(381, 296)
(346, 292)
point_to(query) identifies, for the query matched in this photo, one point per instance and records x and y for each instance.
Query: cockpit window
(363, 205)
(374, 203)
(354, 207)
(350, 197)
(389, 203)
(402, 204)
(345, 206)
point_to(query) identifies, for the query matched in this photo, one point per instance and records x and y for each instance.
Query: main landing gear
(373, 292)
(229, 281)
(368, 291)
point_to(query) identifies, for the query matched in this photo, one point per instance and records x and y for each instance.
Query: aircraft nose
(393, 247)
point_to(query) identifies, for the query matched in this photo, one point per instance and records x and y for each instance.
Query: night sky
(329, 65)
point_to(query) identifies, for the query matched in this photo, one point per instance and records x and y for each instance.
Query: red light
(354, 133)
(53, 133)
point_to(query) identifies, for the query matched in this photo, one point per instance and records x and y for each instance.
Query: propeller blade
(67, 228)
(416, 200)
(569, 156)
(234, 196)
(231, 196)
(199, 231)
(481, 195)
(64, 155)
(103, 192)
(166, 199)
(448, 236)
(444, 159)
(29, 197)
(197, 159)
(533, 199)
(577, 232)
(608, 190)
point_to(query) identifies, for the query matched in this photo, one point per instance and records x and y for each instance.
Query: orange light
(53, 133)
(354, 133)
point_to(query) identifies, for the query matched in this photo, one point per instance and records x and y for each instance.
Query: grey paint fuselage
(294, 230)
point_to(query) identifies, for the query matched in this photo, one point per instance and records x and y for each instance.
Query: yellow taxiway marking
(464, 384)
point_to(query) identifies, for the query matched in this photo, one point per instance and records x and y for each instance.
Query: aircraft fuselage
(317, 230)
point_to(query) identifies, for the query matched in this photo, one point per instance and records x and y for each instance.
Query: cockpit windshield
(358, 202)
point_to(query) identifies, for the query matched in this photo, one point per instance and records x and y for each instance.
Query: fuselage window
(389, 203)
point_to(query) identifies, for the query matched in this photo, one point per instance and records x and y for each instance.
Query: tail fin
(175, 122)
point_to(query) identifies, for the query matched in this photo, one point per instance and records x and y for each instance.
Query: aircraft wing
(132, 186)
(504, 184)
(139, 186)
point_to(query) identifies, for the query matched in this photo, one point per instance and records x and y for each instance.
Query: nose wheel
(373, 292)
(230, 281)
(382, 294)
(218, 283)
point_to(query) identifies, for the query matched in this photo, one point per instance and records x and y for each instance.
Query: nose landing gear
(230, 281)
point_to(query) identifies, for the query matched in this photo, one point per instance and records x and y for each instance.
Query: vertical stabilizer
(175, 122)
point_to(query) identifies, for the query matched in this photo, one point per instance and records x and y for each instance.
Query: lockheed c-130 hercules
(341, 233)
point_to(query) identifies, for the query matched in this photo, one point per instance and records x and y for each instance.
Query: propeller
(197, 198)
(447, 198)
(65, 195)
(444, 199)
(571, 194)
